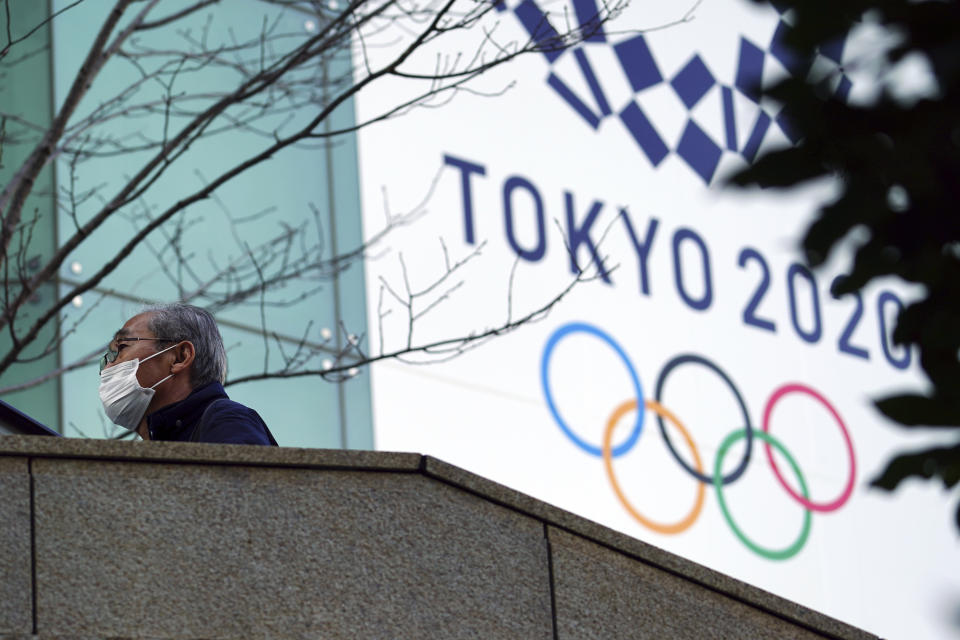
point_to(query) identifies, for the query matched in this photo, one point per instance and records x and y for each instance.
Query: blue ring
(582, 327)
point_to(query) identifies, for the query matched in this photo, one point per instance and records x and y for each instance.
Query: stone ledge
(341, 460)
(46, 636)
(643, 552)
(218, 454)
(15, 556)
(259, 552)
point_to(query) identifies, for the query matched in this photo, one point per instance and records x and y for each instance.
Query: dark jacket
(228, 422)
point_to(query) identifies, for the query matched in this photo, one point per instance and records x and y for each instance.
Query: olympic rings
(608, 452)
(658, 394)
(805, 499)
(581, 327)
(782, 554)
(690, 518)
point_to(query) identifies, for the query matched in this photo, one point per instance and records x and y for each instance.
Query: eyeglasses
(111, 355)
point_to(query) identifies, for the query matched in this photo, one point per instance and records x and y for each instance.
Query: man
(163, 378)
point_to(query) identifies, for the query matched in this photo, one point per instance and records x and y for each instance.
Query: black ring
(670, 366)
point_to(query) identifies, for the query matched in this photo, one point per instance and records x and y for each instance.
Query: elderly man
(163, 378)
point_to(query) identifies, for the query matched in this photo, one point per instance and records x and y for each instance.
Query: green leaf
(913, 410)
(940, 462)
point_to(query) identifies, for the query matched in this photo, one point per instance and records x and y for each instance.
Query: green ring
(774, 554)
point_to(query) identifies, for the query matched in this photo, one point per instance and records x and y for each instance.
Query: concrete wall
(155, 540)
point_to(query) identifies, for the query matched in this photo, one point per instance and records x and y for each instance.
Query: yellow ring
(658, 409)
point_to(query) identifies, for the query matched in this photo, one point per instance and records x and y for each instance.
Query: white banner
(757, 438)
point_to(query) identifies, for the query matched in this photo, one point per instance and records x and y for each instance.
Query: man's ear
(184, 354)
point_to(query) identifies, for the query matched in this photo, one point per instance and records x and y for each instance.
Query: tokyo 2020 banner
(704, 392)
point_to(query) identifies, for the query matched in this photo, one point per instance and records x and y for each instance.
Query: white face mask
(124, 400)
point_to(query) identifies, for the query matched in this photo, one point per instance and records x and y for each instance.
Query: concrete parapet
(16, 585)
(165, 540)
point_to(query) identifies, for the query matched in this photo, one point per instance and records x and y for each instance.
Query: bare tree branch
(449, 347)
(286, 88)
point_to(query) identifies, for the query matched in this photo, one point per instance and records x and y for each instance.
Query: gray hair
(177, 322)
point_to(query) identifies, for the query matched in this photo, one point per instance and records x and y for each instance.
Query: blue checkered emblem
(691, 83)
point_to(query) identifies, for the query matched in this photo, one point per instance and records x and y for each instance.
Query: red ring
(809, 504)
